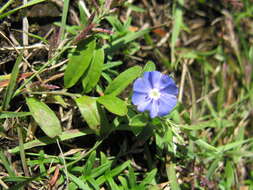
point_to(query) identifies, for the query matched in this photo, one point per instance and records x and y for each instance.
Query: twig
(193, 96)
(25, 32)
(181, 89)
(34, 46)
(9, 41)
(3, 184)
(108, 4)
(42, 69)
(63, 93)
(54, 77)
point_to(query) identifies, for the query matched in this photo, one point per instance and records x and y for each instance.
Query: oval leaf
(94, 72)
(113, 104)
(79, 62)
(138, 120)
(150, 66)
(45, 117)
(89, 110)
(123, 80)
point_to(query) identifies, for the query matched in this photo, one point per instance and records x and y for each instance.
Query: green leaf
(93, 183)
(177, 24)
(80, 183)
(83, 16)
(89, 110)
(200, 125)
(113, 104)
(123, 182)
(150, 177)
(110, 65)
(116, 171)
(89, 164)
(4, 115)
(115, 22)
(171, 172)
(95, 70)
(131, 36)
(101, 169)
(232, 145)
(45, 117)
(64, 17)
(229, 173)
(135, 8)
(10, 89)
(138, 120)
(79, 62)
(113, 185)
(6, 164)
(206, 146)
(131, 177)
(213, 167)
(66, 135)
(150, 66)
(30, 3)
(123, 80)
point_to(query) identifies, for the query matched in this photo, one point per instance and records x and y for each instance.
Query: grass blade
(30, 3)
(6, 164)
(4, 115)
(64, 17)
(66, 135)
(10, 89)
(178, 22)
(171, 172)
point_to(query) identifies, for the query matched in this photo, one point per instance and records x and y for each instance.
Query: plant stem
(6, 5)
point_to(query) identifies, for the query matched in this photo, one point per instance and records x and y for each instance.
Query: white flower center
(154, 94)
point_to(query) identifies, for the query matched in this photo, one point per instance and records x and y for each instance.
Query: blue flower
(156, 93)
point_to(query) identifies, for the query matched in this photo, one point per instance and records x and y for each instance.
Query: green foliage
(30, 3)
(79, 62)
(113, 104)
(123, 80)
(91, 79)
(11, 87)
(45, 117)
(89, 110)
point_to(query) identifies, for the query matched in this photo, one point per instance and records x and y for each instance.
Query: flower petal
(155, 78)
(144, 106)
(166, 103)
(139, 97)
(142, 85)
(168, 84)
(141, 100)
(172, 89)
(154, 109)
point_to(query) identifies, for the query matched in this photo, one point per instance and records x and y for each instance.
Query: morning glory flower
(155, 92)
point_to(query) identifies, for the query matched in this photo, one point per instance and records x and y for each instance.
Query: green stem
(6, 6)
